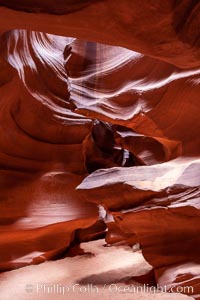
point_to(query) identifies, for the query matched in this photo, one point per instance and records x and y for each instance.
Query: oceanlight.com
(61, 289)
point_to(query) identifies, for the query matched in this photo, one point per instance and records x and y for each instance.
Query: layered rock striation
(99, 131)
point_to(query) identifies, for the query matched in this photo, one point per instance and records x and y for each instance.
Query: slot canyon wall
(100, 113)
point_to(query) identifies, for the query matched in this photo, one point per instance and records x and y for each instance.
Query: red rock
(73, 102)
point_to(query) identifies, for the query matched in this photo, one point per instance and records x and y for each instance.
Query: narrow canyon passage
(99, 137)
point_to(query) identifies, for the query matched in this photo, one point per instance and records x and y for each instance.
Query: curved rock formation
(76, 99)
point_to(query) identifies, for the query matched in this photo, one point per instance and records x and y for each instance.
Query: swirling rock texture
(97, 139)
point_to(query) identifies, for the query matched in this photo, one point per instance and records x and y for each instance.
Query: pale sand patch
(97, 276)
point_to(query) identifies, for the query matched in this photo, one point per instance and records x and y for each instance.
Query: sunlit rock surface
(99, 132)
